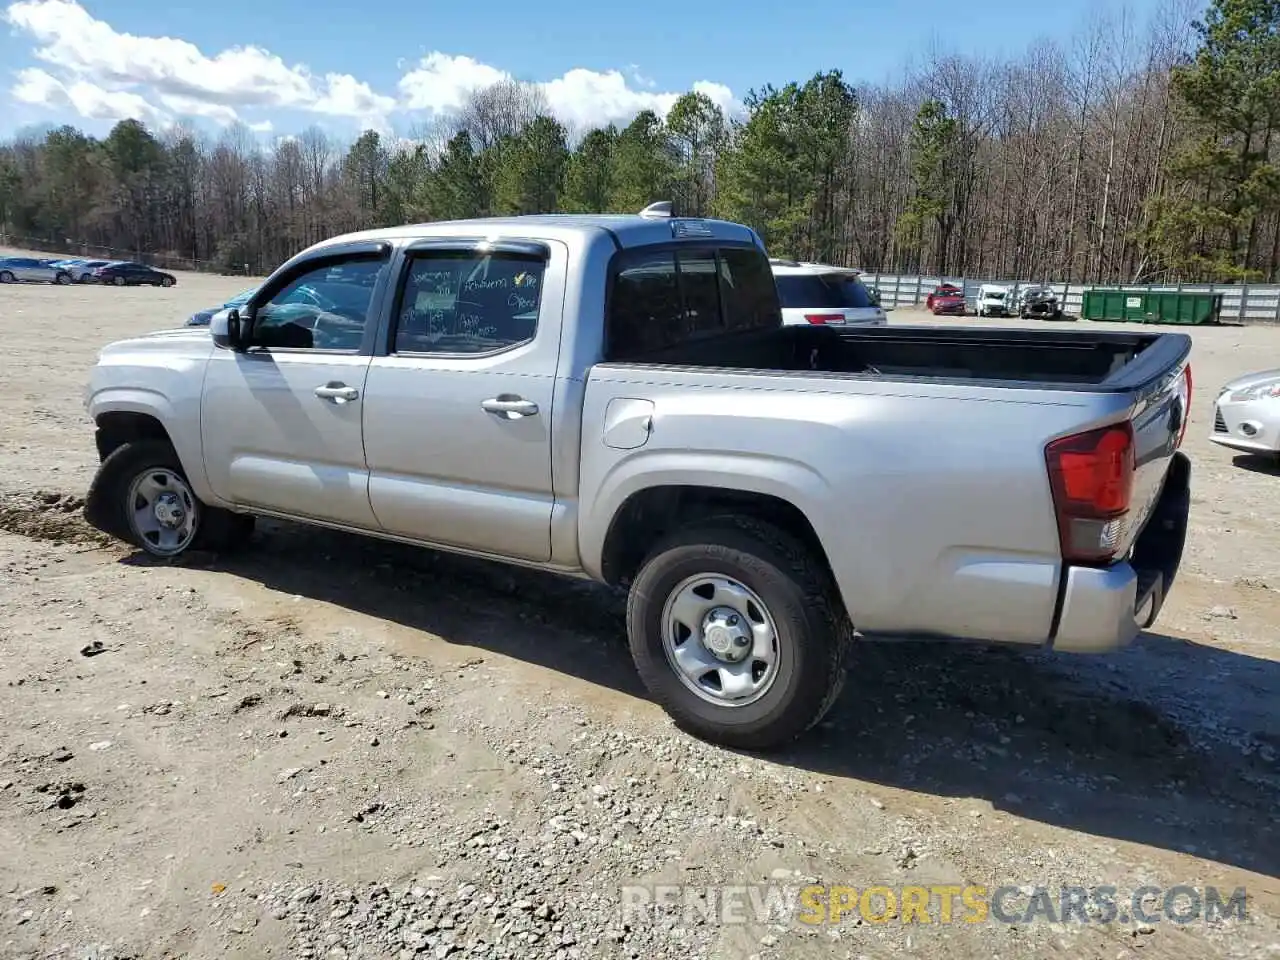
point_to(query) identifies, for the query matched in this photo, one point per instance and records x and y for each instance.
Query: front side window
(469, 302)
(326, 308)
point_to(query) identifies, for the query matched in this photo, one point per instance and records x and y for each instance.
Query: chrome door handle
(337, 392)
(509, 406)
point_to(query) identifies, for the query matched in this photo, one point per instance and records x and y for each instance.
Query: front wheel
(736, 633)
(119, 281)
(141, 495)
(6, 277)
(166, 282)
(62, 279)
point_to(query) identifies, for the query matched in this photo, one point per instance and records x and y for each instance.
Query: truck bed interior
(1086, 359)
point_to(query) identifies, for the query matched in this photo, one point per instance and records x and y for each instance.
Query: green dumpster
(1138, 306)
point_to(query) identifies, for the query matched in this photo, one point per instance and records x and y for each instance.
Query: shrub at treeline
(1120, 155)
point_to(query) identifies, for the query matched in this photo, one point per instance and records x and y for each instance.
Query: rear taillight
(1091, 476)
(1186, 402)
(821, 318)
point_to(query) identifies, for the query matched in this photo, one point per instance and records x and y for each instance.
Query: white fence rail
(1241, 303)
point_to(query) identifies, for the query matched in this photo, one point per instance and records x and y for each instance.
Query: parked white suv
(823, 294)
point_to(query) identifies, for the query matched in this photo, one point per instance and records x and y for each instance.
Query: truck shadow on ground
(1170, 744)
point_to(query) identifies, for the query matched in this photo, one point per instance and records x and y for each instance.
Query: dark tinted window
(833, 290)
(662, 299)
(750, 297)
(469, 303)
(699, 292)
(644, 306)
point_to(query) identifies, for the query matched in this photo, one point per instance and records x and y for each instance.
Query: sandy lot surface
(337, 748)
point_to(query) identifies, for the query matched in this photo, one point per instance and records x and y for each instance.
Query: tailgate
(1159, 422)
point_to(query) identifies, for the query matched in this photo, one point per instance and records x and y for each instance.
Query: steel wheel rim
(162, 511)
(704, 645)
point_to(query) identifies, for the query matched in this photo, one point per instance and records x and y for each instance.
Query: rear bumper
(1106, 608)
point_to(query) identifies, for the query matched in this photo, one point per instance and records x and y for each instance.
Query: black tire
(107, 508)
(6, 277)
(119, 281)
(62, 279)
(813, 632)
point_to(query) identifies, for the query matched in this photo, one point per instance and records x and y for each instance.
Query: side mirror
(228, 329)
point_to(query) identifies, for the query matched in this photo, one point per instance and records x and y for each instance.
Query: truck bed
(1092, 360)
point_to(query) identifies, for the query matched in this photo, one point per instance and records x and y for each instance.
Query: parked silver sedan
(82, 270)
(15, 269)
(1246, 415)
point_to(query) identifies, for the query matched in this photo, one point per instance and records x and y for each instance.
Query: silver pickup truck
(616, 397)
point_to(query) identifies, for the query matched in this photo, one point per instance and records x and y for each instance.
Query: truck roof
(627, 230)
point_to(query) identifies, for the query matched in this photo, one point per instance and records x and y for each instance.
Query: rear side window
(663, 298)
(469, 302)
(832, 290)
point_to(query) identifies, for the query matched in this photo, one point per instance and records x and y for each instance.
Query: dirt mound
(48, 515)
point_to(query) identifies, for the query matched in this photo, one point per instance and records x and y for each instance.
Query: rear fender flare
(787, 480)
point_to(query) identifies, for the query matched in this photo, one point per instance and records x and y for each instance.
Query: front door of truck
(282, 420)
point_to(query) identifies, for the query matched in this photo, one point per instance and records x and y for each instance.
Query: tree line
(1130, 153)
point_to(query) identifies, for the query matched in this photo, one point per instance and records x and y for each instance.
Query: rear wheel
(118, 281)
(62, 278)
(6, 277)
(141, 495)
(735, 632)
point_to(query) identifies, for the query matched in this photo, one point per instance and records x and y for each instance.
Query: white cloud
(580, 98)
(345, 96)
(39, 88)
(194, 107)
(103, 73)
(440, 83)
(178, 75)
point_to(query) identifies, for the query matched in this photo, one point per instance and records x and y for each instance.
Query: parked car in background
(201, 317)
(946, 298)
(131, 273)
(32, 270)
(822, 294)
(1246, 415)
(993, 301)
(82, 270)
(1039, 300)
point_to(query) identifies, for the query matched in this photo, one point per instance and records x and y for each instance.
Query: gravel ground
(333, 747)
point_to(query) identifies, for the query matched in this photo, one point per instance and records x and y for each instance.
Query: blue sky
(280, 65)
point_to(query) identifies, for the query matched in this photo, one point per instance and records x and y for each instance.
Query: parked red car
(947, 298)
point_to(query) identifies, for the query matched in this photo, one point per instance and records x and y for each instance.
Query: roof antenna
(657, 210)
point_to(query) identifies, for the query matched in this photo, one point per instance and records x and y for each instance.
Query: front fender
(180, 419)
